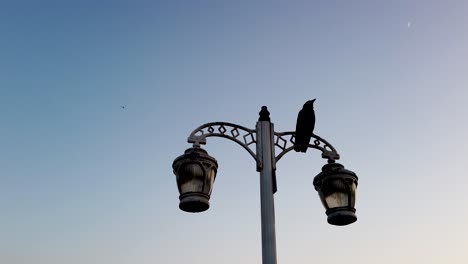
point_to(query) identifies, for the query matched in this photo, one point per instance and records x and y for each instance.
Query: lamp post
(195, 172)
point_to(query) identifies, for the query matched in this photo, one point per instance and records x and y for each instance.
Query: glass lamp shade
(195, 173)
(336, 187)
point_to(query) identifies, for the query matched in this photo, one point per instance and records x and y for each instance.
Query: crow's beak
(313, 100)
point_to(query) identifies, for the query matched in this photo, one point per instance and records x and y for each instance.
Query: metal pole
(265, 152)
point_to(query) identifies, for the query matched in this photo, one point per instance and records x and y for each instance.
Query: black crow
(304, 126)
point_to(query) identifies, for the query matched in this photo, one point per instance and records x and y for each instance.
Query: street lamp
(337, 190)
(195, 172)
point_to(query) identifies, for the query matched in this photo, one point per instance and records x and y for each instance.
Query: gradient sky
(84, 181)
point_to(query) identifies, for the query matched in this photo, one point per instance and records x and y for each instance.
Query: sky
(83, 180)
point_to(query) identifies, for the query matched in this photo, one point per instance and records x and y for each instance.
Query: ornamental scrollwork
(239, 134)
(285, 142)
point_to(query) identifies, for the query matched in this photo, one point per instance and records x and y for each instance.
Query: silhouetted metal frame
(235, 132)
(328, 151)
(220, 129)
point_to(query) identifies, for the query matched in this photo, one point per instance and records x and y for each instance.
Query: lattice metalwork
(239, 134)
(245, 137)
(285, 142)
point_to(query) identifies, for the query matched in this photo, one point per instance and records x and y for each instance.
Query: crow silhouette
(304, 126)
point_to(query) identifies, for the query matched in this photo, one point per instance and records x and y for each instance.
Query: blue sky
(84, 181)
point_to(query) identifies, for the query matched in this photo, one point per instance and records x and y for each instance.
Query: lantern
(336, 187)
(195, 172)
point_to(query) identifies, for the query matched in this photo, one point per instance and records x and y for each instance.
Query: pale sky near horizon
(84, 181)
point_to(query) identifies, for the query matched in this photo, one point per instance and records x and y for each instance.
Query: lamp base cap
(341, 217)
(194, 202)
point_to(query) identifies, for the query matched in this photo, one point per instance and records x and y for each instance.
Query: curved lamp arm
(328, 151)
(239, 134)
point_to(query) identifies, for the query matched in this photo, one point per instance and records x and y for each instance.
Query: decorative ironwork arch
(245, 137)
(328, 151)
(226, 130)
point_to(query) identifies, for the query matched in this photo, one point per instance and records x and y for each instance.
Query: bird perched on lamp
(304, 126)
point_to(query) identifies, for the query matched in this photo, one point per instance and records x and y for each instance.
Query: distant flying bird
(123, 107)
(304, 126)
